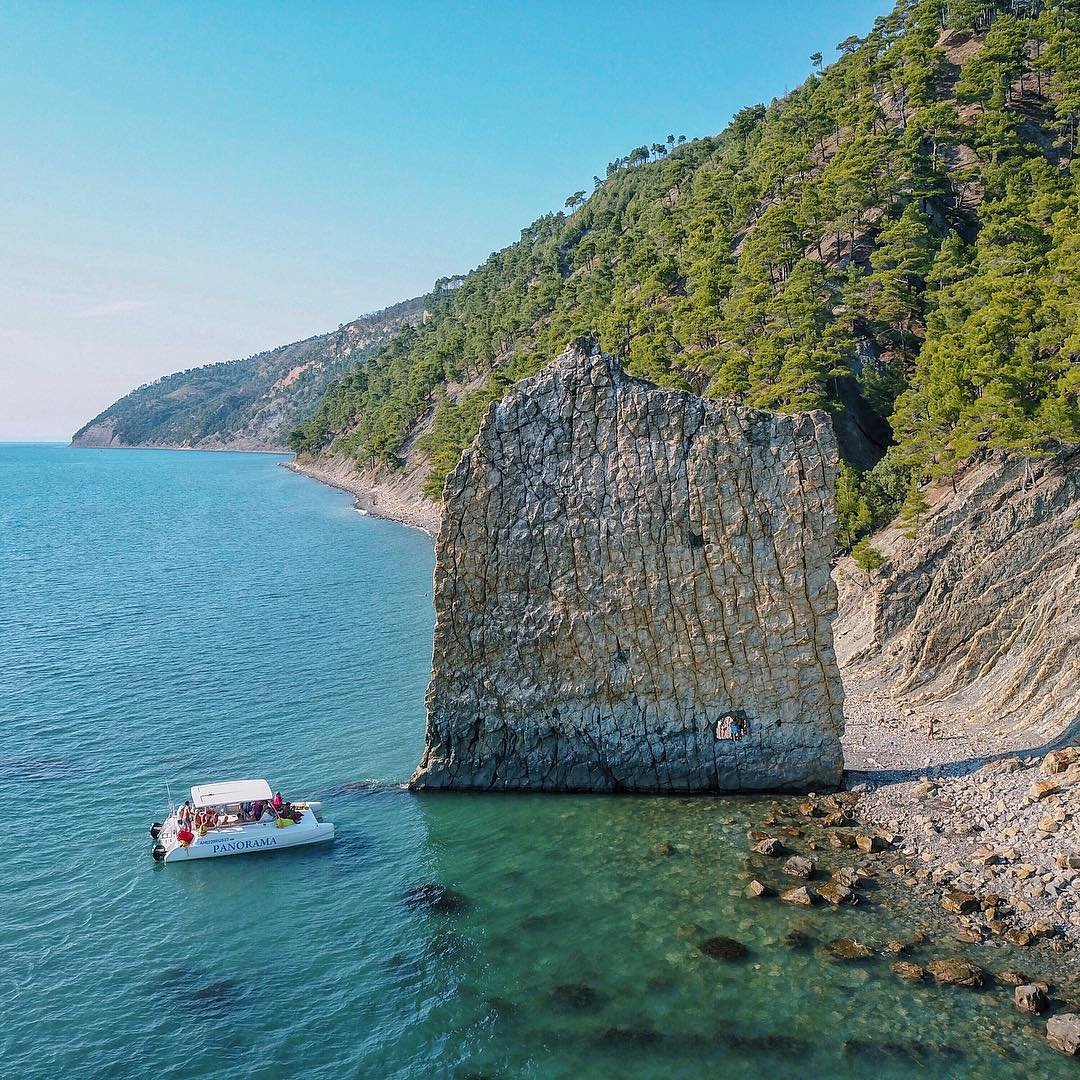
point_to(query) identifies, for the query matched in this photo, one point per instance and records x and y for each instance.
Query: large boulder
(1063, 1033)
(1057, 761)
(799, 866)
(632, 593)
(1031, 998)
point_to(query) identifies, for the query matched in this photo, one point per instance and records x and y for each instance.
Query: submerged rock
(1010, 978)
(629, 1036)
(942, 1060)
(848, 949)
(833, 893)
(956, 971)
(847, 876)
(689, 931)
(433, 897)
(219, 994)
(907, 971)
(774, 1042)
(632, 593)
(574, 995)
(724, 948)
(797, 938)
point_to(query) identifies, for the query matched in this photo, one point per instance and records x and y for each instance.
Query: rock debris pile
(1002, 844)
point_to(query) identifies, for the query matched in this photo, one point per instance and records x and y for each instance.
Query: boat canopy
(231, 791)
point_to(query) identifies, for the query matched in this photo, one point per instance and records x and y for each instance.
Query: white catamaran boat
(236, 817)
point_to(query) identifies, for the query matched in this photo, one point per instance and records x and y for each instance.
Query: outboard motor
(155, 830)
(158, 853)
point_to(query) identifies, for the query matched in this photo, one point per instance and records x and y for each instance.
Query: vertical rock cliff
(632, 593)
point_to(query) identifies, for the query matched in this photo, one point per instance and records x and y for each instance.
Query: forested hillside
(249, 404)
(897, 241)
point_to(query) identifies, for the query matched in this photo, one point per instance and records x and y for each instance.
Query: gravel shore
(378, 494)
(990, 828)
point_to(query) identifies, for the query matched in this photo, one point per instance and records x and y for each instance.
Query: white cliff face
(626, 577)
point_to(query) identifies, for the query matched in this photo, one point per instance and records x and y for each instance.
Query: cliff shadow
(965, 766)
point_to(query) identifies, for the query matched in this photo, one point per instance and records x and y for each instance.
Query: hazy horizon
(192, 186)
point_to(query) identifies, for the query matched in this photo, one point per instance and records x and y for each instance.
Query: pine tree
(867, 558)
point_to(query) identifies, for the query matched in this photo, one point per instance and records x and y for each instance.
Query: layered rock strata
(632, 593)
(975, 619)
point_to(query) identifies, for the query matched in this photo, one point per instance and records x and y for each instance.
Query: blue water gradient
(174, 618)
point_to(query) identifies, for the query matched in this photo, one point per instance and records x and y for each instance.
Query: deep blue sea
(174, 618)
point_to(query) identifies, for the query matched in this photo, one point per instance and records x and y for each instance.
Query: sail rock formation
(632, 593)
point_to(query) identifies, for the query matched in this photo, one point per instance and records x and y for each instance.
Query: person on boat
(278, 801)
(245, 812)
(183, 815)
(257, 810)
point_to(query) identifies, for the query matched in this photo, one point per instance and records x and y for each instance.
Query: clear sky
(184, 183)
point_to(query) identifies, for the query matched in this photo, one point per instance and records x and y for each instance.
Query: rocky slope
(632, 593)
(975, 620)
(249, 404)
(961, 666)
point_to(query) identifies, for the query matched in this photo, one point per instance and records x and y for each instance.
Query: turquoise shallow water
(169, 617)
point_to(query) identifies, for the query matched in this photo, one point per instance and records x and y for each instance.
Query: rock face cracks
(632, 593)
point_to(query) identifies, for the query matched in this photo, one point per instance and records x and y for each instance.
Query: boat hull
(251, 839)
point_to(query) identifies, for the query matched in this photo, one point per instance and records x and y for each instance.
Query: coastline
(974, 814)
(395, 499)
(74, 445)
(957, 799)
(922, 786)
